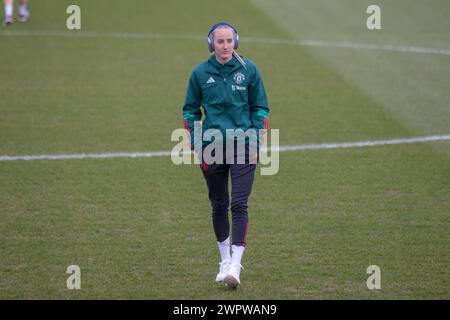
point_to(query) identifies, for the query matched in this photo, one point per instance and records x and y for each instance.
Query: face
(223, 44)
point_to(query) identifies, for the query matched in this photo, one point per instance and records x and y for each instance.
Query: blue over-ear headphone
(214, 27)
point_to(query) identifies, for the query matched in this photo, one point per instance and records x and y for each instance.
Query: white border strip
(311, 43)
(152, 154)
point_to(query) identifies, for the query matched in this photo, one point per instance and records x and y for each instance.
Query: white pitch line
(311, 43)
(152, 154)
(361, 144)
(353, 45)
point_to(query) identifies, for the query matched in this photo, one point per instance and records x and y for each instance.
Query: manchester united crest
(239, 78)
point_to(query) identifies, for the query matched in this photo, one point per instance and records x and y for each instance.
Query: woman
(231, 92)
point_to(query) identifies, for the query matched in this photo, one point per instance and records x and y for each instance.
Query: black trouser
(217, 176)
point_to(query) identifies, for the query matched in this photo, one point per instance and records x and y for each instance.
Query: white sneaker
(8, 20)
(232, 277)
(24, 14)
(224, 267)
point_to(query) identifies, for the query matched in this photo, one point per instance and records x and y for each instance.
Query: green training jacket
(232, 97)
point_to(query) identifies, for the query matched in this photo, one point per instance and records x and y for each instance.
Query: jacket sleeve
(191, 108)
(259, 107)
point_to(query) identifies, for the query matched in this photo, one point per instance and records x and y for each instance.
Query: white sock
(23, 10)
(236, 256)
(8, 10)
(224, 248)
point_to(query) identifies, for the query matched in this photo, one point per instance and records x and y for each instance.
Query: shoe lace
(237, 266)
(224, 264)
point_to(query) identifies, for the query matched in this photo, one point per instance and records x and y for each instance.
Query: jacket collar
(219, 68)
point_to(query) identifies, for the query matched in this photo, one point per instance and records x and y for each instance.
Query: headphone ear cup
(210, 44)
